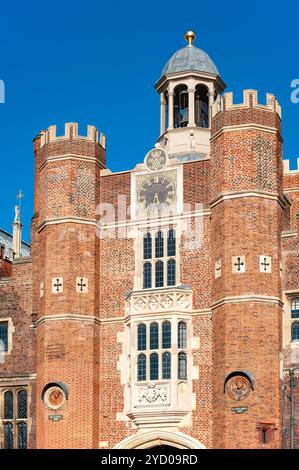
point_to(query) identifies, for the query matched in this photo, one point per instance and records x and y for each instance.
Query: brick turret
(66, 253)
(247, 211)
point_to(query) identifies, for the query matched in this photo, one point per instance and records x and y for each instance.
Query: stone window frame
(154, 260)
(294, 323)
(174, 349)
(11, 330)
(290, 297)
(15, 389)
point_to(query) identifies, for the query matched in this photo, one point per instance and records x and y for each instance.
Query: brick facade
(79, 340)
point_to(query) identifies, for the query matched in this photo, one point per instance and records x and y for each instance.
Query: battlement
(250, 100)
(287, 170)
(71, 133)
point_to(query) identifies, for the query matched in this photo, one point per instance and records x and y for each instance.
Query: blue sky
(96, 63)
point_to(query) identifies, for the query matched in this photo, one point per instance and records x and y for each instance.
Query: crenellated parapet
(249, 113)
(71, 133)
(250, 100)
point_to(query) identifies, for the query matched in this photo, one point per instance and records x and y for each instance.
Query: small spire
(190, 37)
(17, 228)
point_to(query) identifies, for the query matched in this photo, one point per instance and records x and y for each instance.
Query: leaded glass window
(13, 418)
(182, 366)
(147, 246)
(22, 435)
(159, 245)
(159, 274)
(171, 272)
(171, 243)
(154, 336)
(22, 404)
(8, 436)
(182, 335)
(166, 365)
(154, 366)
(295, 331)
(141, 367)
(166, 335)
(295, 308)
(147, 276)
(8, 405)
(141, 337)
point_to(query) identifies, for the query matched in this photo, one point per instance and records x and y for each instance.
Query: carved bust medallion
(238, 387)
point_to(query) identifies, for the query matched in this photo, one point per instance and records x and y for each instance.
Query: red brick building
(158, 305)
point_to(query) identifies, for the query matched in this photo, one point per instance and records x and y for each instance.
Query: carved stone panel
(152, 395)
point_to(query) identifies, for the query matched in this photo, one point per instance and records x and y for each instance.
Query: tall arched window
(166, 365)
(141, 367)
(171, 272)
(166, 109)
(8, 436)
(166, 335)
(14, 415)
(22, 404)
(182, 366)
(159, 245)
(141, 337)
(182, 335)
(295, 308)
(171, 243)
(22, 435)
(180, 106)
(8, 405)
(295, 331)
(201, 106)
(154, 335)
(154, 366)
(147, 276)
(147, 246)
(159, 274)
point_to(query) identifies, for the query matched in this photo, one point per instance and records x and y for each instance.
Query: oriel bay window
(156, 349)
(14, 416)
(159, 259)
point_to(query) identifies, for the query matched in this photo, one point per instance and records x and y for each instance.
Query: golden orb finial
(190, 37)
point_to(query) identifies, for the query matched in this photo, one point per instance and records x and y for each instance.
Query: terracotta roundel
(54, 397)
(238, 387)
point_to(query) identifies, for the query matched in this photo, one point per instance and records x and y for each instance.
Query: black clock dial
(156, 192)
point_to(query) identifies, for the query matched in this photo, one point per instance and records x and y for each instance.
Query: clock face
(156, 159)
(156, 193)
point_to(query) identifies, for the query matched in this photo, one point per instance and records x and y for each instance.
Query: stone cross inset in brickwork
(239, 264)
(81, 285)
(265, 264)
(57, 285)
